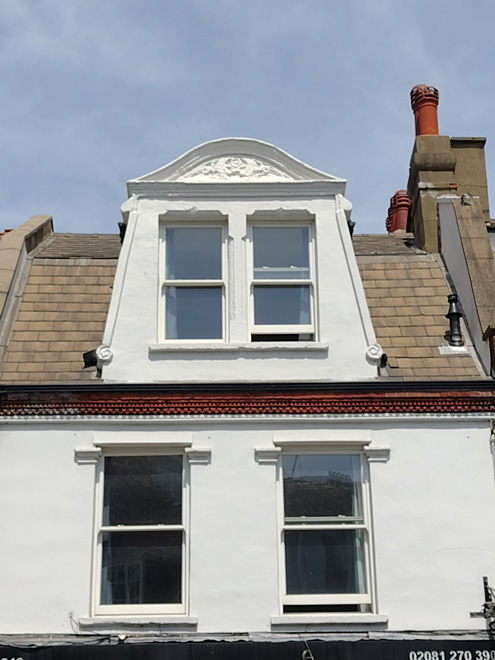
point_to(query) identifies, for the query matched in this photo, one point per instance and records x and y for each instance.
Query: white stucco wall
(344, 329)
(432, 505)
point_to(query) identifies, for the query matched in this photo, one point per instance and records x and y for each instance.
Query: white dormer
(237, 265)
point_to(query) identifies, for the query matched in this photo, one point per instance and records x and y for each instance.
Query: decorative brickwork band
(398, 212)
(424, 102)
(76, 404)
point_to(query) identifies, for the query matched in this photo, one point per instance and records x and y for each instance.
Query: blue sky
(94, 93)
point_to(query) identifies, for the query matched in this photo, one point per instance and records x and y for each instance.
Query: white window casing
(193, 284)
(281, 272)
(325, 559)
(140, 536)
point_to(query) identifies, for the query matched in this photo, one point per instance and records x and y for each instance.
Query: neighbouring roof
(406, 290)
(384, 244)
(62, 310)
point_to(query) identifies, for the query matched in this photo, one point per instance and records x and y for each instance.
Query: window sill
(99, 623)
(328, 619)
(261, 347)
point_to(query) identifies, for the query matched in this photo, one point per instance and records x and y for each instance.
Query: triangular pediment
(236, 160)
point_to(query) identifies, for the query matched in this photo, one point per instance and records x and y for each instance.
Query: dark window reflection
(322, 486)
(325, 562)
(141, 567)
(143, 490)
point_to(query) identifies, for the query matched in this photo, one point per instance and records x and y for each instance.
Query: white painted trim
(194, 221)
(376, 454)
(330, 619)
(135, 445)
(140, 610)
(332, 437)
(120, 276)
(112, 622)
(310, 328)
(256, 347)
(200, 419)
(343, 209)
(267, 455)
(241, 147)
(304, 190)
(365, 528)
(87, 455)
(200, 456)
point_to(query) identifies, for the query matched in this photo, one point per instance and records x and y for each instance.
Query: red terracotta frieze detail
(71, 404)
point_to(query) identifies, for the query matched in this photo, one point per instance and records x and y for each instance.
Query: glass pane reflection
(193, 253)
(142, 490)
(325, 562)
(282, 305)
(322, 486)
(193, 312)
(141, 567)
(281, 253)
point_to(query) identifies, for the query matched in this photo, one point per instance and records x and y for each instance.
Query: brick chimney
(440, 164)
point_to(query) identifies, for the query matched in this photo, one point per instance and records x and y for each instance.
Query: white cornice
(200, 419)
(245, 190)
(221, 159)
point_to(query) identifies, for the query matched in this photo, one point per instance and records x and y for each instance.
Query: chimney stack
(398, 212)
(424, 102)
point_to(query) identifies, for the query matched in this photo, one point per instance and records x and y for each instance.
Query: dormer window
(282, 283)
(193, 287)
(254, 277)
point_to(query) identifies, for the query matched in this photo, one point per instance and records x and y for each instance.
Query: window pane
(282, 305)
(141, 567)
(323, 486)
(193, 312)
(193, 253)
(281, 253)
(142, 490)
(325, 562)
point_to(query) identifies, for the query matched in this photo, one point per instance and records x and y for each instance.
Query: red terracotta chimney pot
(398, 212)
(424, 102)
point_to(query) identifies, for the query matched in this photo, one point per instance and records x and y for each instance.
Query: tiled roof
(95, 246)
(64, 304)
(407, 299)
(63, 310)
(384, 244)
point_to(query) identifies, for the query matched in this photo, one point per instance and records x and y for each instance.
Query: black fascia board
(357, 387)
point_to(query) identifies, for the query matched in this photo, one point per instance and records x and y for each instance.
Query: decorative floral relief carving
(235, 168)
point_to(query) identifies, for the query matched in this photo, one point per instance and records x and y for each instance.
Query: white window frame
(366, 600)
(164, 282)
(136, 608)
(283, 329)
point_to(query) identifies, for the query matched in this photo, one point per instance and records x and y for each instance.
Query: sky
(96, 92)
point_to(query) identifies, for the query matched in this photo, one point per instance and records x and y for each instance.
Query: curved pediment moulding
(235, 168)
(236, 160)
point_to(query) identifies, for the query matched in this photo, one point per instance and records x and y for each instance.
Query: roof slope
(64, 304)
(63, 310)
(407, 294)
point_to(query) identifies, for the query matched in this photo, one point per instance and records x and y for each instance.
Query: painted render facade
(303, 464)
